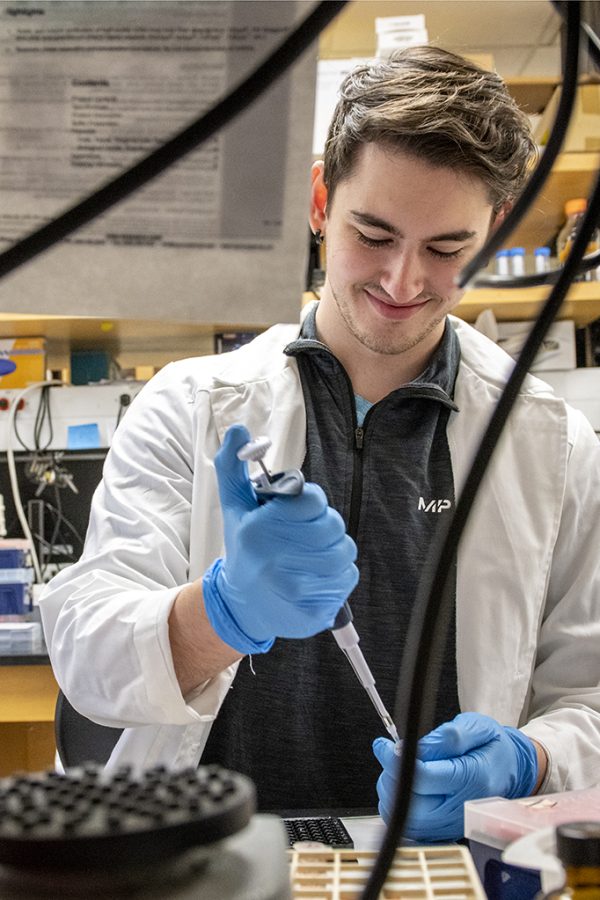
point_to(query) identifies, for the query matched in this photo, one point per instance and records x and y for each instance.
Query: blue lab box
(13, 558)
(14, 599)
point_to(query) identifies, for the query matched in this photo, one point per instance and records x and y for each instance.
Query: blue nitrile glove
(288, 566)
(470, 757)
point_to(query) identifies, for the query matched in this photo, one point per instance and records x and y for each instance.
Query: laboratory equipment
(578, 848)
(347, 639)
(328, 830)
(574, 213)
(502, 262)
(266, 484)
(291, 481)
(513, 841)
(73, 409)
(423, 873)
(170, 835)
(517, 260)
(541, 259)
(183, 835)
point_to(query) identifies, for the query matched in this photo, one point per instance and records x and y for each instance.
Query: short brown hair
(439, 107)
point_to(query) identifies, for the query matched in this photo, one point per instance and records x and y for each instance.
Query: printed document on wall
(89, 87)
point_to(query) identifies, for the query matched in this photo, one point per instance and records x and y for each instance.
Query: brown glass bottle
(578, 848)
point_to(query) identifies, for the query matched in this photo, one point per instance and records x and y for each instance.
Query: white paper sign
(89, 87)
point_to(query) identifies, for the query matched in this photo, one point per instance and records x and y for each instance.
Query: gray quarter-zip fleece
(301, 727)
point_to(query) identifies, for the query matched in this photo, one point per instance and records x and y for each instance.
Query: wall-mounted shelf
(154, 343)
(85, 332)
(134, 342)
(572, 176)
(582, 303)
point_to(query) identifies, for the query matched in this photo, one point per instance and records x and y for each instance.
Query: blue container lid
(7, 366)
(541, 251)
(501, 253)
(517, 251)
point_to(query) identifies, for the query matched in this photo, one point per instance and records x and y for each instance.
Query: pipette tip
(391, 729)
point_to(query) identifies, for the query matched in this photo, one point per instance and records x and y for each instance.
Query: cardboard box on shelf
(29, 354)
(584, 131)
(483, 60)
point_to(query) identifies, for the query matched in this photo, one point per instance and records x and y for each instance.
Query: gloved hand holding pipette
(472, 756)
(288, 565)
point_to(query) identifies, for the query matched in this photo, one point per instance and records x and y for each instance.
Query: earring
(319, 237)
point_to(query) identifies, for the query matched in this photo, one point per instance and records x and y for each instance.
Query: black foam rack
(85, 819)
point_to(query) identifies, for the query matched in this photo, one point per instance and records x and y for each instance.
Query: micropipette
(347, 640)
(291, 482)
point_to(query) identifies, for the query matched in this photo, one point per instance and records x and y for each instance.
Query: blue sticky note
(83, 437)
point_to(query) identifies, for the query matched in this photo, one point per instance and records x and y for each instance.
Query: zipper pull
(359, 434)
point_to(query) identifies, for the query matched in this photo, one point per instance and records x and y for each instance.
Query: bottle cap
(578, 205)
(517, 251)
(541, 251)
(578, 843)
(501, 253)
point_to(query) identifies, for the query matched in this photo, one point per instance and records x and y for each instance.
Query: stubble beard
(392, 344)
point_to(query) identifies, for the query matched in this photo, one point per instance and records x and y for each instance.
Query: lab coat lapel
(514, 521)
(262, 391)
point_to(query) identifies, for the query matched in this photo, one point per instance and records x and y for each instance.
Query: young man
(187, 618)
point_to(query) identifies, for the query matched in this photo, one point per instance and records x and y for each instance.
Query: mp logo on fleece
(436, 506)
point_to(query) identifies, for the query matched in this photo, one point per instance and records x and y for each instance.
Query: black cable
(548, 158)
(43, 413)
(430, 598)
(593, 45)
(38, 421)
(52, 509)
(43, 410)
(17, 435)
(60, 520)
(188, 139)
(124, 403)
(591, 260)
(411, 717)
(174, 149)
(56, 529)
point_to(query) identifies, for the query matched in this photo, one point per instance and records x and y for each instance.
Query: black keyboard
(327, 830)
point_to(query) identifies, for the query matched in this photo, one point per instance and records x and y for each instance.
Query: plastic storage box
(15, 592)
(22, 637)
(14, 558)
(494, 823)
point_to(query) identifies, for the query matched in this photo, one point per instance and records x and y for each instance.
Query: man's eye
(371, 242)
(441, 255)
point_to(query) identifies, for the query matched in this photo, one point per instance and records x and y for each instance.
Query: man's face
(398, 231)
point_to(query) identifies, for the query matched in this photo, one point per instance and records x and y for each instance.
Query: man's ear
(318, 198)
(499, 217)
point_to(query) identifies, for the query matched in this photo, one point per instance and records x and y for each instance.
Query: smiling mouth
(392, 310)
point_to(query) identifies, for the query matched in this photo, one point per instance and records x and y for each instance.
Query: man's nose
(404, 277)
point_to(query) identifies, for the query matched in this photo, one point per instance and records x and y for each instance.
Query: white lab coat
(528, 579)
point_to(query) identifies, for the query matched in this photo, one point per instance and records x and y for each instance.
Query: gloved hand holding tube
(471, 757)
(288, 565)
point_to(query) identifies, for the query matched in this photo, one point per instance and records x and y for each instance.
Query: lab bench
(28, 692)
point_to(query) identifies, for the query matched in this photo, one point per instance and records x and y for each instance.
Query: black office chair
(78, 739)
